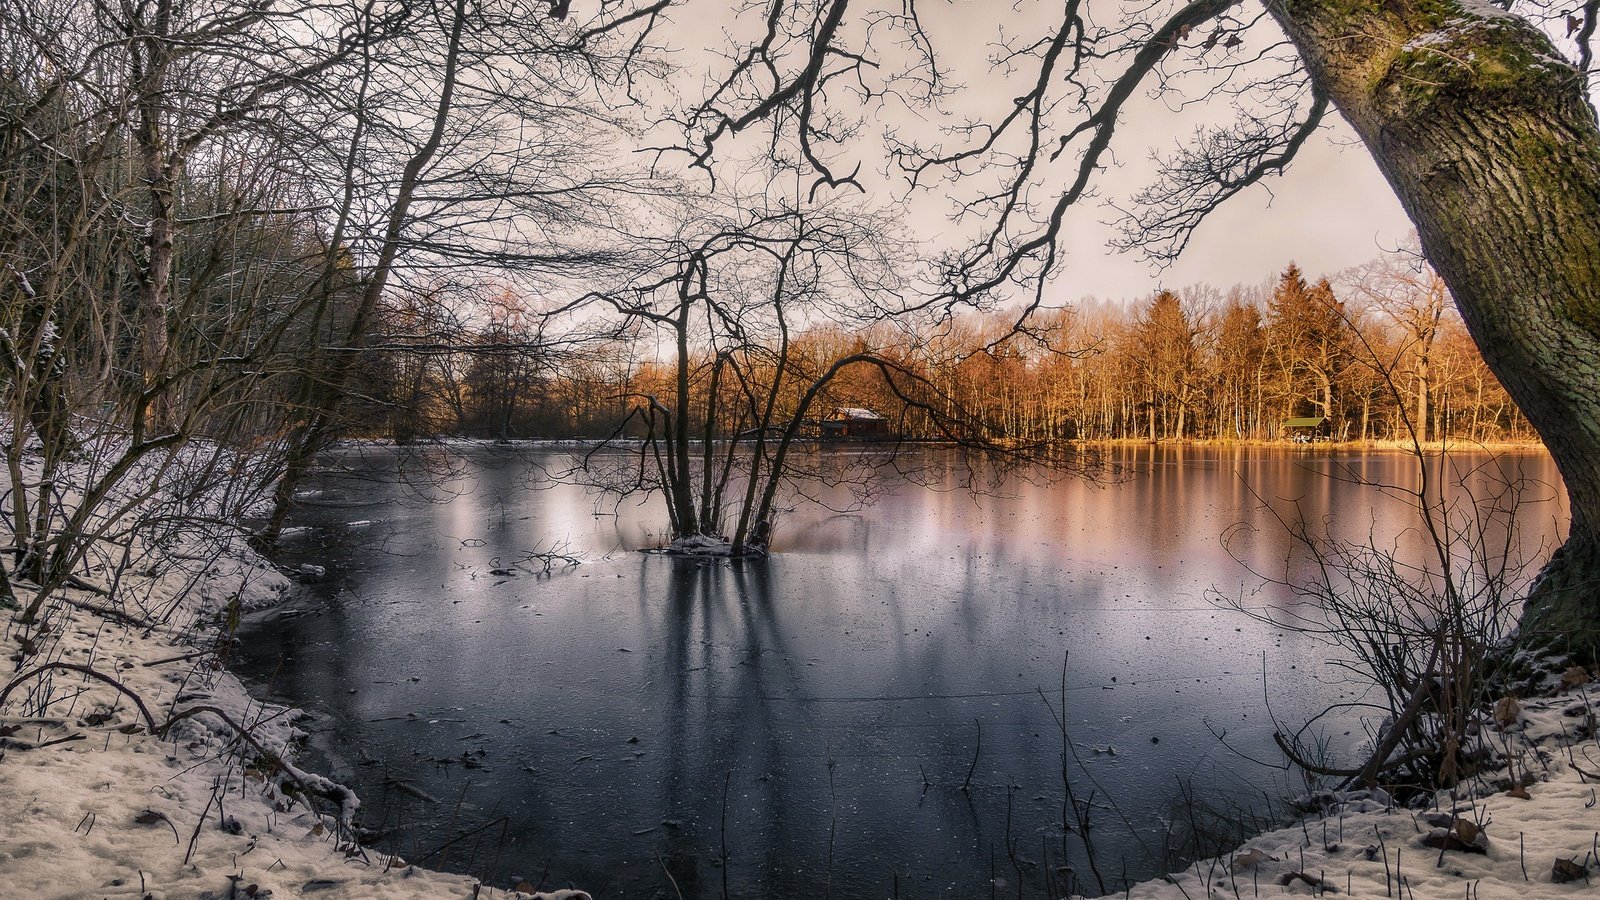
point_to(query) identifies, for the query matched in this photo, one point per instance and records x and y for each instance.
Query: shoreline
(1525, 828)
(1429, 447)
(1397, 446)
(162, 798)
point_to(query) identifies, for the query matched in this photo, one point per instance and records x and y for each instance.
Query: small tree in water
(778, 319)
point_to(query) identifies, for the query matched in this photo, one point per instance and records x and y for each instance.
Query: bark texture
(1484, 133)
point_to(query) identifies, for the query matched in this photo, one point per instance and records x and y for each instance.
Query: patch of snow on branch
(700, 545)
(1486, 10)
(1449, 33)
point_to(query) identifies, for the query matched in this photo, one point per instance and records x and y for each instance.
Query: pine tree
(1309, 345)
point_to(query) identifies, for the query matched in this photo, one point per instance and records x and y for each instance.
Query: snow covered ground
(94, 802)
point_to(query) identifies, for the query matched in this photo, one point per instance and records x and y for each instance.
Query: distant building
(1306, 429)
(854, 423)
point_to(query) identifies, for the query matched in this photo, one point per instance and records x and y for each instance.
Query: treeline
(1376, 353)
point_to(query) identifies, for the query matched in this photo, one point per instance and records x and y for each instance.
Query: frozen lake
(803, 726)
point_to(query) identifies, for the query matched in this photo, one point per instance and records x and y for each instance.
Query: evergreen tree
(1309, 345)
(1164, 339)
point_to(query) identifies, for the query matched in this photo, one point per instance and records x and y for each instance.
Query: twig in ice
(977, 748)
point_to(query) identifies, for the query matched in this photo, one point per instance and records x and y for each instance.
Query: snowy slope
(93, 804)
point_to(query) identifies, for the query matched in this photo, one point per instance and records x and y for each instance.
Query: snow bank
(706, 545)
(700, 545)
(1529, 830)
(95, 802)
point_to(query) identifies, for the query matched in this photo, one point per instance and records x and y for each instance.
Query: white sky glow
(1332, 209)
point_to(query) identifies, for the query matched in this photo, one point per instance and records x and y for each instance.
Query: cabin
(855, 424)
(1305, 429)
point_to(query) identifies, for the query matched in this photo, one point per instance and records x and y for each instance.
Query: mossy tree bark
(1484, 132)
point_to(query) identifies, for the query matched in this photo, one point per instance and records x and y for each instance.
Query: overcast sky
(1330, 211)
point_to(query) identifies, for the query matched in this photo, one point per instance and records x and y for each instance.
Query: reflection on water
(807, 722)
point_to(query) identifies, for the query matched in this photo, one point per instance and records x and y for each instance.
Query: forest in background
(1376, 352)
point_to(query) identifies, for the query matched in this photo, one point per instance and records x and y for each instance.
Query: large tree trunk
(1486, 137)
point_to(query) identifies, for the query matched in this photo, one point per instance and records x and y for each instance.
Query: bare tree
(207, 204)
(143, 147)
(1402, 288)
(736, 414)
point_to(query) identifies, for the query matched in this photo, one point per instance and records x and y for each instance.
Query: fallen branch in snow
(106, 611)
(310, 784)
(198, 824)
(11, 743)
(1584, 772)
(83, 585)
(180, 657)
(149, 719)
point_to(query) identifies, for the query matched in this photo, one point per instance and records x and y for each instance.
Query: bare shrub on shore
(1421, 619)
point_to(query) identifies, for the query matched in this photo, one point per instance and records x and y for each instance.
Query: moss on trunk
(1487, 138)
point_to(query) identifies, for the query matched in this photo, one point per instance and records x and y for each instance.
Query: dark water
(803, 726)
